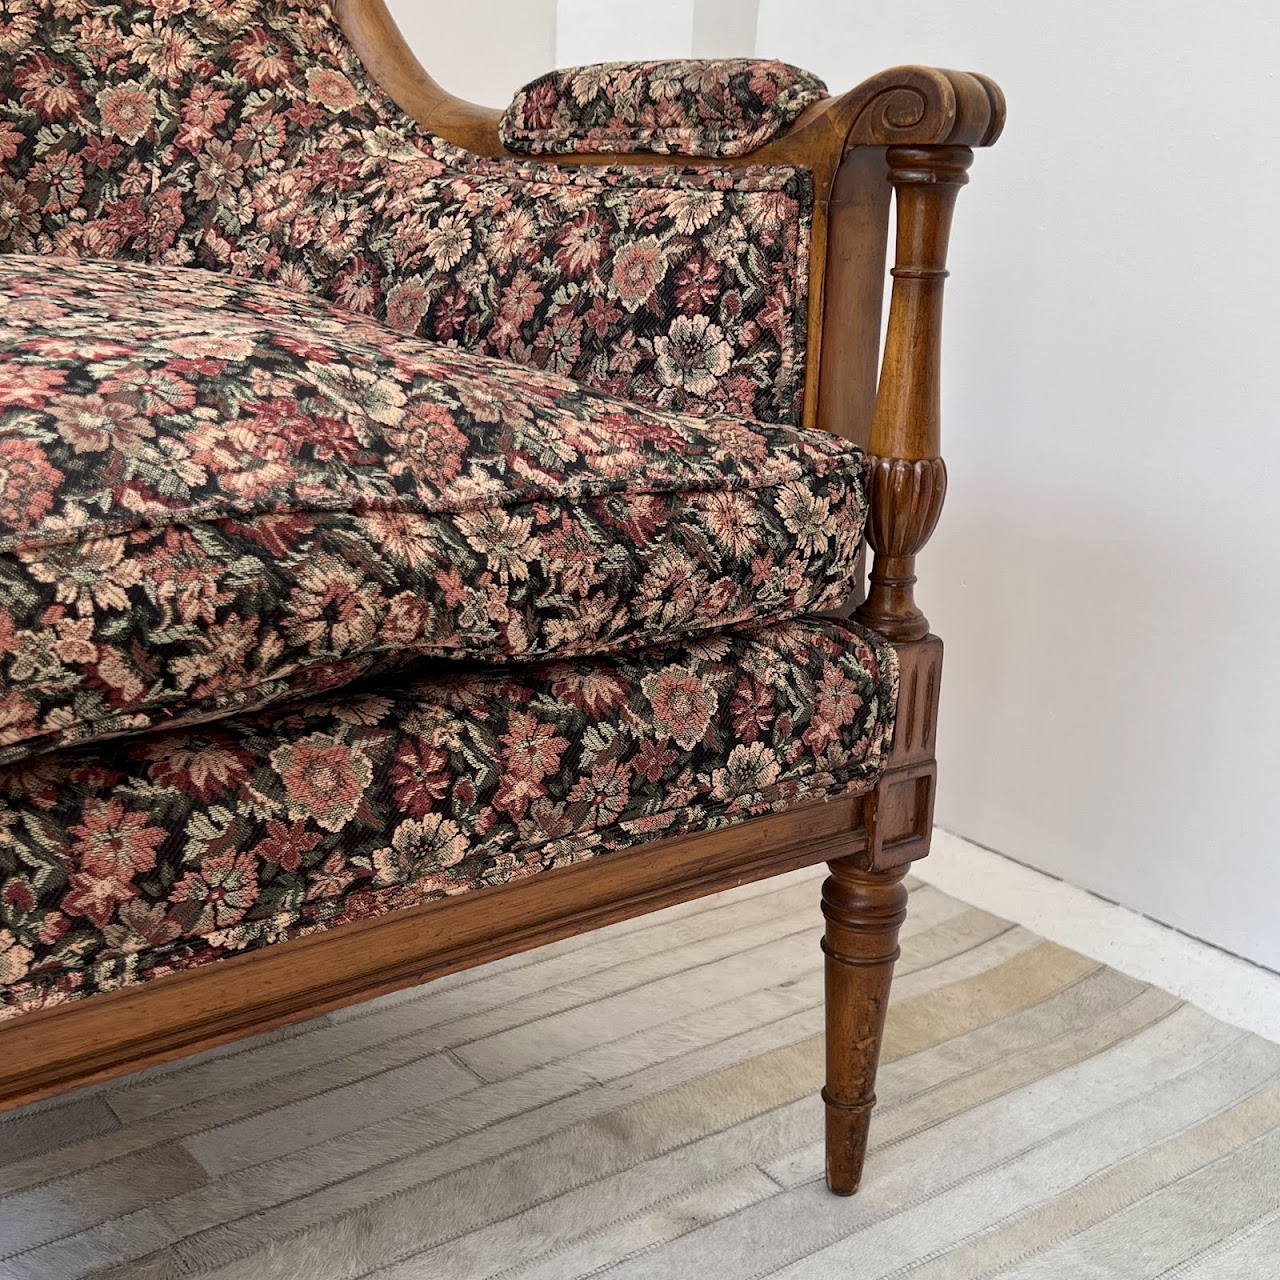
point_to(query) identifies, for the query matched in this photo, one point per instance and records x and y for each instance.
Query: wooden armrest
(911, 125)
(905, 106)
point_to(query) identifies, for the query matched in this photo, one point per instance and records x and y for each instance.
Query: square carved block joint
(901, 813)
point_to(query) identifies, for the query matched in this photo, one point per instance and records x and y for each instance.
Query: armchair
(412, 551)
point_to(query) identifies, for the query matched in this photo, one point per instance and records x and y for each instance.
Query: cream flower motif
(692, 210)
(360, 393)
(507, 542)
(693, 355)
(91, 424)
(418, 847)
(87, 574)
(751, 768)
(15, 959)
(807, 516)
(448, 241)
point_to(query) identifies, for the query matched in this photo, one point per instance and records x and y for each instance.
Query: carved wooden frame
(909, 129)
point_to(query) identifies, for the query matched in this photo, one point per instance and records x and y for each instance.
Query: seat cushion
(216, 494)
(127, 861)
(692, 107)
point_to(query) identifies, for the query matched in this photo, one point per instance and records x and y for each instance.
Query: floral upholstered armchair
(426, 532)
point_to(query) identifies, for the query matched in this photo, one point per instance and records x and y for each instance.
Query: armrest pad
(715, 107)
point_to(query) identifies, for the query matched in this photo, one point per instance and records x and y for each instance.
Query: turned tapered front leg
(864, 910)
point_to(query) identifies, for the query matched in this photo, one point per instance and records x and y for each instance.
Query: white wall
(480, 52)
(624, 30)
(1107, 571)
(485, 53)
(614, 30)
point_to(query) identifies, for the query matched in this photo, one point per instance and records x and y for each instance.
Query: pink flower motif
(583, 244)
(19, 214)
(109, 848)
(334, 612)
(682, 705)
(324, 780)
(201, 767)
(29, 385)
(835, 707)
(286, 846)
(245, 464)
(127, 110)
(27, 482)
(530, 751)
(599, 799)
(637, 270)
(331, 88)
(113, 843)
(50, 89)
(420, 777)
(10, 140)
(262, 59)
(222, 888)
(62, 175)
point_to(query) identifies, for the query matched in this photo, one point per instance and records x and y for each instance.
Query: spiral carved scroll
(927, 106)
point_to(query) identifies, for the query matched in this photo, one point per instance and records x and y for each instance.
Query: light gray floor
(641, 1102)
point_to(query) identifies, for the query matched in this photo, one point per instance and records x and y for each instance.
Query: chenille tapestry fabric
(215, 494)
(128, 861)
(452, 525)
(702, 107)
(244, 135)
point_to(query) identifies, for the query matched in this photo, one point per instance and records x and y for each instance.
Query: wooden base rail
(74, 1044)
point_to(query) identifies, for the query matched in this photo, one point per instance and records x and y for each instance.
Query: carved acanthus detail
(906, 500)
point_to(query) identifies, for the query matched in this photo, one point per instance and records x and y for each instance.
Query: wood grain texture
(864, 911)
(908, 478)
(43, 1053)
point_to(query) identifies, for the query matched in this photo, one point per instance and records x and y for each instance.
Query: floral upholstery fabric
(708, 107)
(245, 136)
(369, 616)
(172, 850)
(216, 494)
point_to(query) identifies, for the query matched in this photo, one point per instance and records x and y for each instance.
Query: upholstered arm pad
(716, 107)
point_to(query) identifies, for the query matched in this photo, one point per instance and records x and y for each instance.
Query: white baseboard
(1229, 988)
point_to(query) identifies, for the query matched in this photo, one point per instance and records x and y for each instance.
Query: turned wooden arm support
(907, 478)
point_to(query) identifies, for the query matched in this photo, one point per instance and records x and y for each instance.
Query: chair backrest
(246, 135)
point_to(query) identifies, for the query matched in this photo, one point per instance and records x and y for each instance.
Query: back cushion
(245, 136)
(77, 128)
